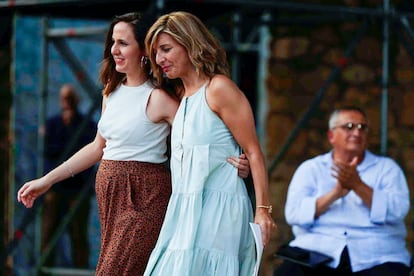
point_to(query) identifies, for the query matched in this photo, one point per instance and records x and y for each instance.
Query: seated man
(349, 204)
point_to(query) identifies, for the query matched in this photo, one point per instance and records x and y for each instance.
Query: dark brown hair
(109, 77)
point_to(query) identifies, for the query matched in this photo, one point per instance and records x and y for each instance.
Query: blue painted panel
(26, 100)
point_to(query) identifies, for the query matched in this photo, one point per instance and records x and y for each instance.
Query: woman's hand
(242, 165)
(267, 224)
(32, 190)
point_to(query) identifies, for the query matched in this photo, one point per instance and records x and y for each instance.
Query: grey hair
(333, 118)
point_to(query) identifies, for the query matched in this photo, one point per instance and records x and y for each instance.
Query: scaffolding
(246, 30)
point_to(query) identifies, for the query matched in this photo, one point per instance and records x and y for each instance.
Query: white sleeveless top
(129, 134)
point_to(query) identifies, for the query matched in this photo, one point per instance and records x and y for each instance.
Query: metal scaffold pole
(384, 82)
(263, 57)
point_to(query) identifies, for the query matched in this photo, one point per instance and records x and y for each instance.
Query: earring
(144, 61)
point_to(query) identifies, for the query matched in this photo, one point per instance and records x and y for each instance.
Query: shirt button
(345, 233)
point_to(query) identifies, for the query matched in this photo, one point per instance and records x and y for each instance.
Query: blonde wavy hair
(203, 48)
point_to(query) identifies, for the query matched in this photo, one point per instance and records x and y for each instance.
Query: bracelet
(68, 169)
(268, 207)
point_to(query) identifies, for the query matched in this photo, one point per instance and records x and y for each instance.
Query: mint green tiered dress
(206, 227)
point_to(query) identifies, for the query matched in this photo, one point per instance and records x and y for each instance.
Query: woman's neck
(135, 79)
(192, 85)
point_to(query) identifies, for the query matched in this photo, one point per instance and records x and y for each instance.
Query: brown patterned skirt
(132, 199)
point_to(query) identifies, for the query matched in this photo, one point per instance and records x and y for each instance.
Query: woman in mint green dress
(206, 227)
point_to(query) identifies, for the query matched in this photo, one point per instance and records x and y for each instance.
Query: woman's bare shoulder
(222, 86)
(162, 95)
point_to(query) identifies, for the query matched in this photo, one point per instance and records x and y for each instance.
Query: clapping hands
(347, 175)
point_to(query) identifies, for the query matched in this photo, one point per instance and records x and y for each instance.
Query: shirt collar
(370, 159)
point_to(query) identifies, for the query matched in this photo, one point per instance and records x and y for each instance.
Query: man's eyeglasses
(352, 126)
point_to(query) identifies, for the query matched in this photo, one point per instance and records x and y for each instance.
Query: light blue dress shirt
(372, 236)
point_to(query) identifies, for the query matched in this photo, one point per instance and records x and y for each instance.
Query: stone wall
(302, 60)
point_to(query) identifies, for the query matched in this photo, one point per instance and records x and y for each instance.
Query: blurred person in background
(349, 204)
(63, 134)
